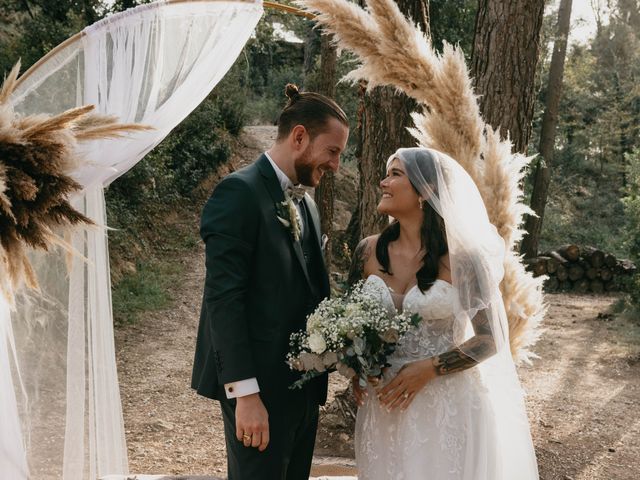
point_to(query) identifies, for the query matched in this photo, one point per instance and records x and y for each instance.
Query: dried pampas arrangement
(393, 51)
(37, 158)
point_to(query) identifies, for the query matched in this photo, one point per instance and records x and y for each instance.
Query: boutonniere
(287, 214)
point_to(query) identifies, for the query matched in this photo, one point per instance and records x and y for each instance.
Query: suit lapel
(270, 179)
(277, 195)
(315, 220)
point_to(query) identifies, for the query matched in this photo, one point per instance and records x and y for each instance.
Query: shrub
(632, 210)
(199, 147)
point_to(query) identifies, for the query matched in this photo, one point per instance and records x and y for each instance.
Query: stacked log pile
(581, 269)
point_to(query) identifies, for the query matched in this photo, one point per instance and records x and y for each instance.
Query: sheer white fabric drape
(60, 409)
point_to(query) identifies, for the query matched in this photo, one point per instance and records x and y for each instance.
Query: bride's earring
(420, 202)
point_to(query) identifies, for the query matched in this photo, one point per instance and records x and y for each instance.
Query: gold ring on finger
(405, 395)
(246, 437)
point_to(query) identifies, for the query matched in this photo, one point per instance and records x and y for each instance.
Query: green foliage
(268, 100)
(599, 119)
(35, 27)
(267, 54)
(194, 149)
(231, 101)
(632, 210)
(145, 290)
(198, 147)
(121, 5)
(268, 63)
(453, 21)
(632, 202)
(598, 126)
(584, 207)
(170, 174)
(175, 167)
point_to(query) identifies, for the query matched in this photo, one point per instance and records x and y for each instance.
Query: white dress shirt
(285, 183)
(242, 388)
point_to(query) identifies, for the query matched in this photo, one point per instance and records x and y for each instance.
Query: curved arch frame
(78, 36)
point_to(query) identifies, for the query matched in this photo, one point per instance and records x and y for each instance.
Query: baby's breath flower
(354, 333)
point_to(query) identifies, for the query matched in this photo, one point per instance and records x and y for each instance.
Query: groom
(264, 274)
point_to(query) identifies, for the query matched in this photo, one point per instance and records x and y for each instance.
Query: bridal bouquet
(354, 334)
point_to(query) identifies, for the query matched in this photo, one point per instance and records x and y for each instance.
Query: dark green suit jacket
(258, 289)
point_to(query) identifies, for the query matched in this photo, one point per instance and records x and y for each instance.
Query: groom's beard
(305, 168)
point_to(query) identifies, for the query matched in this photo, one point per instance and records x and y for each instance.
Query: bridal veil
(476, 255)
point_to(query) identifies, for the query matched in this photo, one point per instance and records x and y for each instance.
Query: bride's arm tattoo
(480, 347)
(358, 261)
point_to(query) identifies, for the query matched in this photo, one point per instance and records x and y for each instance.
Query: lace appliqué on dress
(430, 438)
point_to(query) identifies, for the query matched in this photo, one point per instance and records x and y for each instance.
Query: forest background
(594, 192)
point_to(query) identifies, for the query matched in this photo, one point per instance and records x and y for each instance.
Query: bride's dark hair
(432, 233)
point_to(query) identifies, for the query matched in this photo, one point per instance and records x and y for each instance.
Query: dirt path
(584, 392)
(583, 402)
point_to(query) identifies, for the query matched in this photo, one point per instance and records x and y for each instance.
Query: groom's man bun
(292, 92)
(312, 110)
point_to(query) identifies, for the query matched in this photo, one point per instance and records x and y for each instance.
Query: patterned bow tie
(296, 192)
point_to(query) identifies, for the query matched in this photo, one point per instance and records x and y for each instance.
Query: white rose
(313, 322)
(317, 343)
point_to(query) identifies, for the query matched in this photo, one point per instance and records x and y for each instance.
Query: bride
(450, 405)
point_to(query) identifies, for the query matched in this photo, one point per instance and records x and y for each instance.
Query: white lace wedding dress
(449, 431)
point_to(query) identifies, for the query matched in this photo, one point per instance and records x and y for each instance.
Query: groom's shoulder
(244, 178)
(235, 191)
(247, 174)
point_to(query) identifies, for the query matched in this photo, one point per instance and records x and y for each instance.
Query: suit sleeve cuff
(241, 388)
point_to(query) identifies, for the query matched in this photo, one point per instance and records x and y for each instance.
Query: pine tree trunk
(542, 175)
(325, 191)
(311, 46)
(384, 116)
(503, 65)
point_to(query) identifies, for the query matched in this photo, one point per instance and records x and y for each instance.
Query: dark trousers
(292, 431)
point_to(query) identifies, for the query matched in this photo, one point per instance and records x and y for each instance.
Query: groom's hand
(252, 422)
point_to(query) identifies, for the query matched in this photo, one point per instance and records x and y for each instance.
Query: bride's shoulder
(363, 259)
(371, 241)
(444, 268)
(366, 248)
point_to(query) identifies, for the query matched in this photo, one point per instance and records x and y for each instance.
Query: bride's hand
(411, 378)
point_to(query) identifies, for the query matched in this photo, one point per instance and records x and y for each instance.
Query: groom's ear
(299, 138)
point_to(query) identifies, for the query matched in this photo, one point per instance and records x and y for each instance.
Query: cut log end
(581, 270)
